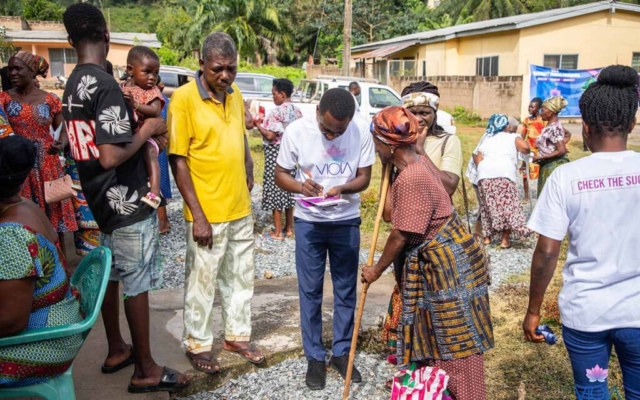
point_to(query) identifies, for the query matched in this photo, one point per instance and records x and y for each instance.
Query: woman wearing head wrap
(497, 161)
(32, 113)
(440, 248)
(552, 148)
(422, 99)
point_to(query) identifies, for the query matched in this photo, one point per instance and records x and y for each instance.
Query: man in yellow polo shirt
(212, 165)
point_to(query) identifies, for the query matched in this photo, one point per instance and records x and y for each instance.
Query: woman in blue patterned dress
(34, 290)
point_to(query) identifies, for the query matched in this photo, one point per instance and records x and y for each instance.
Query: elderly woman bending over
(446, 320)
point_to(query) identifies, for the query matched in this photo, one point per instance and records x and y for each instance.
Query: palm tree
(482, 10)
(254, 25)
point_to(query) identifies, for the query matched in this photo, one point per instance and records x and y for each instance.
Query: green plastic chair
(90, 279)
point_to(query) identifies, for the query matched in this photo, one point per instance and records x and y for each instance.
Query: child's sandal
(151, 200)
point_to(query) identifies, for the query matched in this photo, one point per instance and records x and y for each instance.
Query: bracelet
(302, 188)
(137, 106)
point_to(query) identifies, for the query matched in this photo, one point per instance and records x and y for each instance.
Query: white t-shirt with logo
(595, 200)
(330, 162)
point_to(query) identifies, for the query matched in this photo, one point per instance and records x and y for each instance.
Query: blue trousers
(341, 240)
(588, 349)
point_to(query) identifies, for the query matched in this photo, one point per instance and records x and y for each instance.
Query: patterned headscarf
(497, 123)
(421, 99)
(395, 126)
(555, 104)
(36, 63)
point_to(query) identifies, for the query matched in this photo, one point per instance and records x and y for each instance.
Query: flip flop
(267, 235)
(213, 362)
(168, 383)
(251, 348)
(505, 247)
(121, 365)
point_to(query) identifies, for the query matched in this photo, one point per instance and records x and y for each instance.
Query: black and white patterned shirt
(96, 114)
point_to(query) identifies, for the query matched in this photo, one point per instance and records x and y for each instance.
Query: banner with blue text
(568, 83)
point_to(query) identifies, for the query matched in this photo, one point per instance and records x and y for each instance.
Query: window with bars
(561, 61)
(487, 66)
(635, 61)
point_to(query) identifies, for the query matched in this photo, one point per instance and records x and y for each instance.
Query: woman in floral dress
(32, 113)
(273, 198)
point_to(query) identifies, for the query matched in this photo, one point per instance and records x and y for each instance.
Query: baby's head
(143, 65)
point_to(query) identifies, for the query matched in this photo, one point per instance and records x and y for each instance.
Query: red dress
(33, 121)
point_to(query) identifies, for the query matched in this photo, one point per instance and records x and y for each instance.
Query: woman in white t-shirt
(595, 200)
(497, 161)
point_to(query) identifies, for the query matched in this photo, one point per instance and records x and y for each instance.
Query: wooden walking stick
(365, 286)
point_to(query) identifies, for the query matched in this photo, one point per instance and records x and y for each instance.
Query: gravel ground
(285, 381)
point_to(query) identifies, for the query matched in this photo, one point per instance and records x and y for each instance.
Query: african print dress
(33, 121)
(532, 128)
(87, 237)
(5, 128)
(546, 142)
(23, 254)
(274, 198)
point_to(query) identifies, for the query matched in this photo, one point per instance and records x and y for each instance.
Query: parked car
(372, 99)
(253, 85)
(174, 77)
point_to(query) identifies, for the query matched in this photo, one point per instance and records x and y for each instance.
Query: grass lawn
(541, 371)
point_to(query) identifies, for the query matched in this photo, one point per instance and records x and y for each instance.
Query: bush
(294, 74)
(190, 62)
(167, 56)
(464, 117)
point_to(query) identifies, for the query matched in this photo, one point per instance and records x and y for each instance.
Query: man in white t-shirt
(595, 201)
(332, 154)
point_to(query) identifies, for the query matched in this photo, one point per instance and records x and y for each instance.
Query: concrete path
(276, 329)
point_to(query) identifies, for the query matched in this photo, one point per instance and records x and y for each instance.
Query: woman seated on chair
(34, 289)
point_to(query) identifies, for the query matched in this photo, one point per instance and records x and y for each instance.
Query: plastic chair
(90, 279)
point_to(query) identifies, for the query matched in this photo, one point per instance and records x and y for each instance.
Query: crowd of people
(112, 140)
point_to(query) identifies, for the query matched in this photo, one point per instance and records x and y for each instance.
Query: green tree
(11, 7)
(444, 21)
(482, 10)
(6, 47)
(255, 25)
(41, 10)
(168, 56)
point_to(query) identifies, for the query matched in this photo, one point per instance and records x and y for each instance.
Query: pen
(307, 173)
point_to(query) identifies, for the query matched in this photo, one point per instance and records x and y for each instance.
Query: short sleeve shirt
(451, 159)
(330, 163)
(421, 205)
(96, 114)
(551, 134)
(594, 200)
(279, 118)
(211, 137)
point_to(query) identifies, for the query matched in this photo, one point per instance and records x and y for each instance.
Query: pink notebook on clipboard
(321, 201)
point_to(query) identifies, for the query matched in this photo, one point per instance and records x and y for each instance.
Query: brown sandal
(213, 362)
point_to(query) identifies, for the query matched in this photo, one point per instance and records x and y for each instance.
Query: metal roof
(387, 50)
(130, 38)
(499, 25)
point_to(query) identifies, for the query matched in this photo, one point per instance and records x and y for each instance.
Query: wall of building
(484, 95)
(13, 23)
(600, 40)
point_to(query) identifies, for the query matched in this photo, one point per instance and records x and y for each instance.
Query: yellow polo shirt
(211, 137)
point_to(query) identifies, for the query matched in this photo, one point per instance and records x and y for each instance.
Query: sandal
(151, 200)
(245, 352)
(168, 383)
(213, 362)
(268, 235)
(121, 365)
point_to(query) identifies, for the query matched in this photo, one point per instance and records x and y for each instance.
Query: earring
(393, 149)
